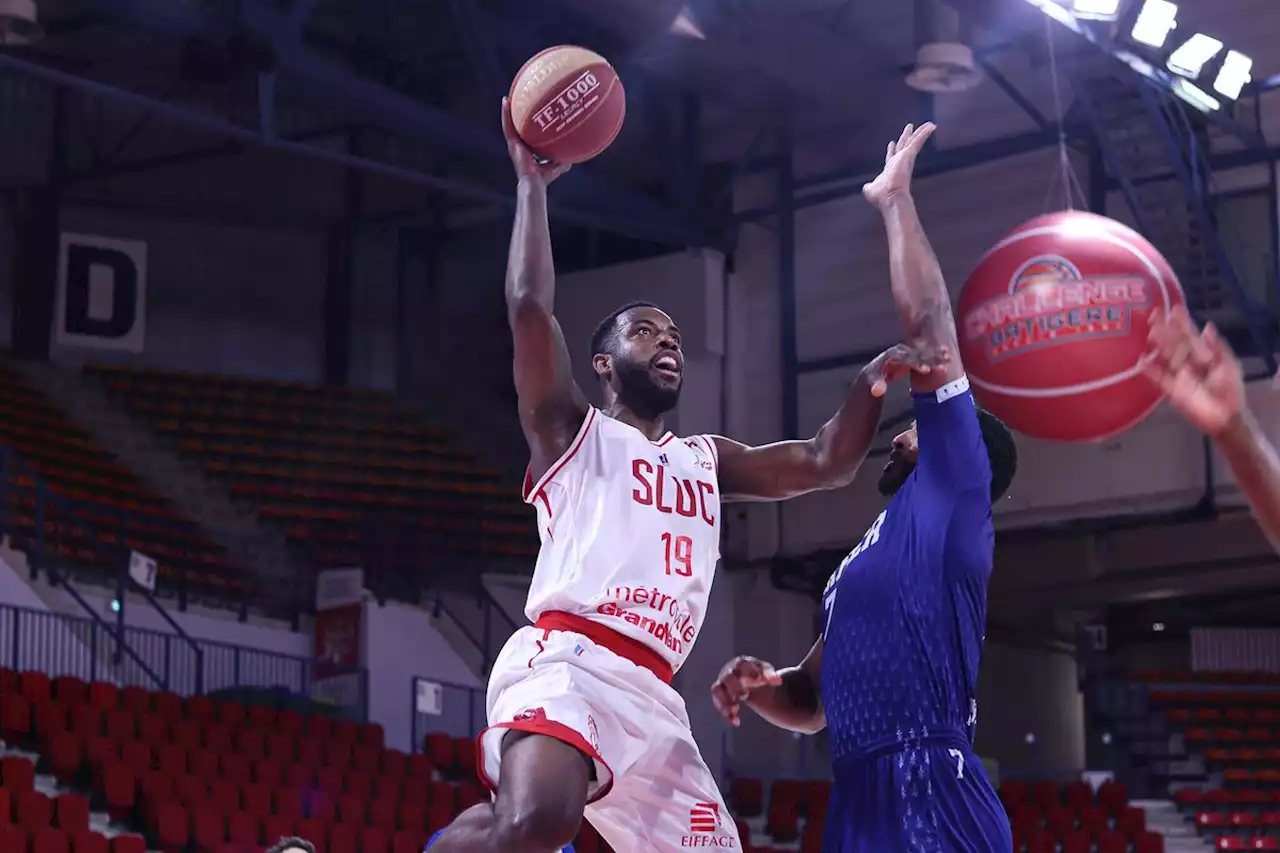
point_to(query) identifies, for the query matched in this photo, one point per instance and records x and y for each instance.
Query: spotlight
(1157, 19)
(1098, 10)
(1189, 59)
(1233, 74)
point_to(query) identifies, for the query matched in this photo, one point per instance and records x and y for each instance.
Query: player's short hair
(290, 843)
(602, 340)
(1002, 450)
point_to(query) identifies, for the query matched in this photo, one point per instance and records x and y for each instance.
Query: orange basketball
(567, 104)
(1053, 326)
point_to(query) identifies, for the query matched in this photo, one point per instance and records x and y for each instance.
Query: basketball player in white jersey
(583, 718)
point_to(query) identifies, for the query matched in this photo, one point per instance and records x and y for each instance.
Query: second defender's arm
(788, 698)
(552, 407)
(1256, 467)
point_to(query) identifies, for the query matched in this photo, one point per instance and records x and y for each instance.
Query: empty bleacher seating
(98, 509)
(350, 475)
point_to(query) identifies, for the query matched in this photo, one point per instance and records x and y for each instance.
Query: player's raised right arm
(919, 290)
(788, 698)
(552, 407)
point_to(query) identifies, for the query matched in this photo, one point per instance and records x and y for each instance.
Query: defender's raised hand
(899, 163)
(900, 361)
(1197, 371)
(527, 165)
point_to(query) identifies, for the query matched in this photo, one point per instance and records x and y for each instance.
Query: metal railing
(61, 644)
(461, 710)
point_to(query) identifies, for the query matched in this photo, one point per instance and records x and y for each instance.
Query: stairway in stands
(1159, 156)
(236, 530)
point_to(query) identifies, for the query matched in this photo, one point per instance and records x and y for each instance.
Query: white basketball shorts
(652, 791)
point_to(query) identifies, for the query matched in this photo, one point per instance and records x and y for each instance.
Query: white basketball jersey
(630, 534)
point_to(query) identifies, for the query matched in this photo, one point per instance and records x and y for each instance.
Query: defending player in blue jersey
(894, 674)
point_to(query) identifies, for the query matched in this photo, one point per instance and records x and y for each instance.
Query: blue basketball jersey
(903, 623)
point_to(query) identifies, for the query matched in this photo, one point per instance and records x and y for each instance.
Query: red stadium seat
(387, 787)
(344, 731)
(18, 774)
(409, 842)
(310, 752)
(204, 763)
(351, 811)
(268, 771)
(71, 813)
(262, 719)
(290, 722)
(167, 705)
(275, 827)
(374, 840)
(413, 817)
(382, 814)
(34, 686)
(33, 810)
(65, 755)
(288, 803)
(208, 827)
(172, 827)
(128, 844)
(251, 743)
(70, 690)
(218, 737)
(256, 798)
(359, 784)
(343, 839)
(230, 713)
(199, 709)
(88, 842)
(439, 748)
(186, 733)
(135, 700)
(317, 727)
(191, 791)
(224, 795)
(153, 728)
(46, 839)
(49, 718)
(235, 768)
(104, 696)
(338, 755)
(418, 767)
(118, 785)
(443, 793)
(366, 758)
(331, 780)
(171, 758)
(370, 734)
(15, 716)
(244, 828)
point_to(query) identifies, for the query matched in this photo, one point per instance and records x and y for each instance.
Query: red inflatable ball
(1053, 326)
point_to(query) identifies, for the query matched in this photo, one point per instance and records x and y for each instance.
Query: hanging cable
(1066, 172)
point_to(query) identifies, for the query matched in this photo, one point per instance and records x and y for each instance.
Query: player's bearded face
(902, 461)
(643, 390)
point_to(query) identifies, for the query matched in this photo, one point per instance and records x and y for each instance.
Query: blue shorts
(933, 798)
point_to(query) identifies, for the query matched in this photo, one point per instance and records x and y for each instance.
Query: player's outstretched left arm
(919, 290)
(1204, 381)
(831, 458)
(789, 698)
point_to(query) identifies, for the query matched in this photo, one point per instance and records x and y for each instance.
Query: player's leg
(669, 801)
(968, 811)
(539, 804)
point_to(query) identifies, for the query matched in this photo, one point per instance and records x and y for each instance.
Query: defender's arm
(789, 699)
(919, 290)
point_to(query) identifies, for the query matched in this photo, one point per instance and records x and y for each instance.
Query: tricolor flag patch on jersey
(577, 650)
(663, 459)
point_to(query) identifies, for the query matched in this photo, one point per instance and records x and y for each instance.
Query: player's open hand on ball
(527, 165)
(1197, 371)
(738, 678)
(899, 163)
(900, 361)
